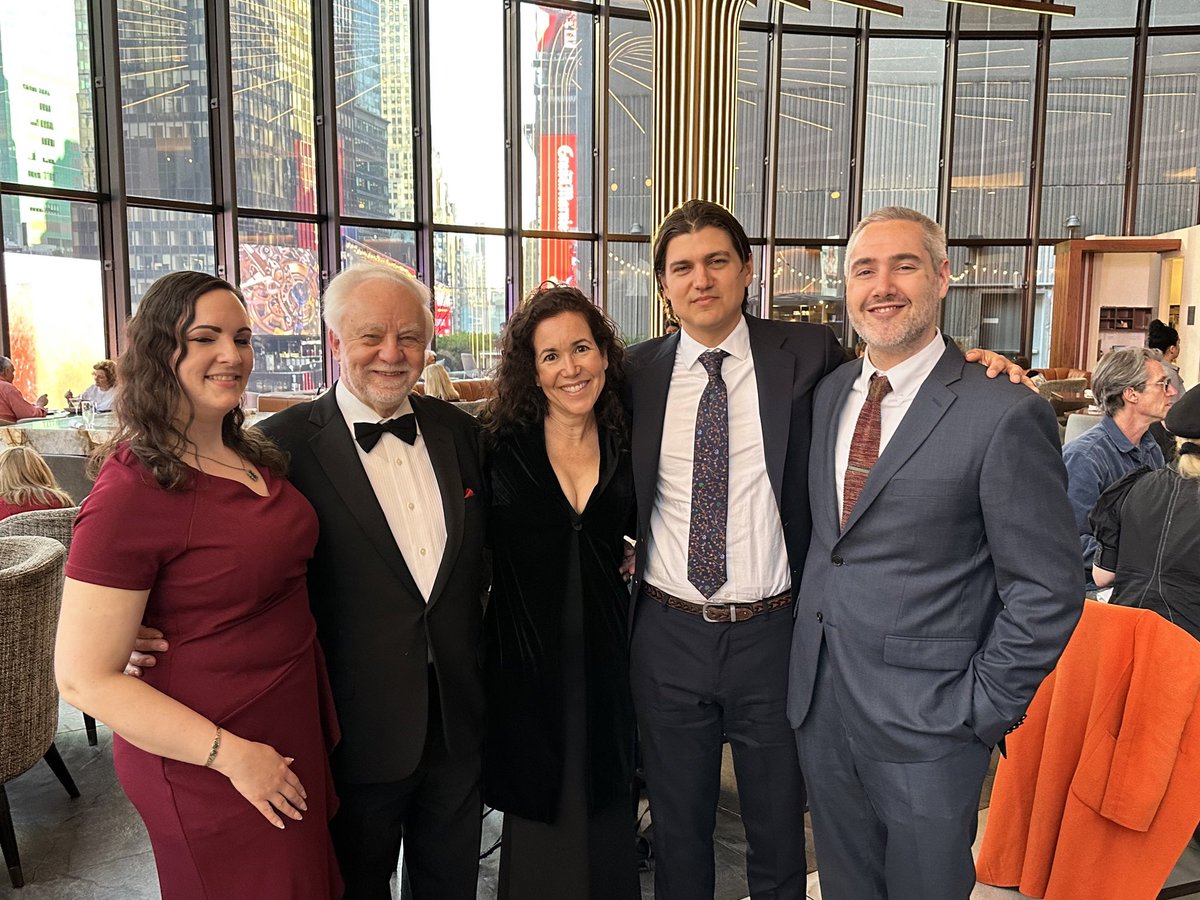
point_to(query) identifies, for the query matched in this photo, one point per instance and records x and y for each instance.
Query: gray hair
(345, 283)
(933, 236)
(1118, 370)
(6, 364)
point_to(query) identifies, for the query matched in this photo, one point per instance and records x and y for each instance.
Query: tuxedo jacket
(955, 584)
(789, 360)
(379, 635)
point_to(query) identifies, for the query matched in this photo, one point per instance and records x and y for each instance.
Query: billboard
(559, 205)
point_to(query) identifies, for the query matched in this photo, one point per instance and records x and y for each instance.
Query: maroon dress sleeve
(127, 529)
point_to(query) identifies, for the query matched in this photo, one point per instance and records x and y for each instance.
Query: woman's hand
(263, 777)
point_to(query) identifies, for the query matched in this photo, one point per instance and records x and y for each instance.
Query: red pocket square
(468, 494)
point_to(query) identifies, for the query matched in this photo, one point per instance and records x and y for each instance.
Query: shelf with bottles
(1125, 318)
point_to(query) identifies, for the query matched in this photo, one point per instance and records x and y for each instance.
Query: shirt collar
(354, 410)
(1117, 436)
(736, 344)
(906, 377)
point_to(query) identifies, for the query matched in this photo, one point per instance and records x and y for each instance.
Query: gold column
(695, 95)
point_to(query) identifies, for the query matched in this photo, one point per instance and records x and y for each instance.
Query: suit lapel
(774, 373)
(439, 443)
(335, 452)
(933, 399)
(823, 474)
(649, 391)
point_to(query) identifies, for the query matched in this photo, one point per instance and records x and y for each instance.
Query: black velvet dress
(559, 749)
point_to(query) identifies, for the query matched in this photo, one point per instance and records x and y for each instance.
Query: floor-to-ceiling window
(486, 147)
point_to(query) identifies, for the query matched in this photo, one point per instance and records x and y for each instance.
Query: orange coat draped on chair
(1101, 788)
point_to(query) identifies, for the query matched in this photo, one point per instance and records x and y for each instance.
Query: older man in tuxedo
(941, 585)
(396, 586)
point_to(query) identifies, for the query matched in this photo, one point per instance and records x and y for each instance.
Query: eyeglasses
(1163, 383)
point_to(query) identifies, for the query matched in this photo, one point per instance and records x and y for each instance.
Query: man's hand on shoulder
(998, 364)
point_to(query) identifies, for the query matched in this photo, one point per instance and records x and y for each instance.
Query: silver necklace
(249, 472)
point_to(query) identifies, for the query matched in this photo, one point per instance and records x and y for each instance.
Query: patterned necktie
(864, 446)
(710, 481)
(368, 433)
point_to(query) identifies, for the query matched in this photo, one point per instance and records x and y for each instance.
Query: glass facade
(486, 147)
(993, 115)
(631, 126)
(1087, 126)
(816, 103)
(903, 126)
(164, 100)
(1167, 183)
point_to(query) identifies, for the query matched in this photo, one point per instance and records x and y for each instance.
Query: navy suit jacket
(789, 359)
(378, 633)
(955, 584)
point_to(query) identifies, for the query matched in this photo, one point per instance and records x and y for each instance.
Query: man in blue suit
(941, 584)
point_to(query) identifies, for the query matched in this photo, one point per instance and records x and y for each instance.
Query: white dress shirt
(906, 379)
(756, 562)
(406, 486)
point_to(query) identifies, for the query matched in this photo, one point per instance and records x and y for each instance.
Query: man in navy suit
(709, 651)
(931, 608)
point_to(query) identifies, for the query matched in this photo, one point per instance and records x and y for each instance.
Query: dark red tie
(864, 446)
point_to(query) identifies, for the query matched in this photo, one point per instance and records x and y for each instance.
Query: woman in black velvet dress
(559, 747)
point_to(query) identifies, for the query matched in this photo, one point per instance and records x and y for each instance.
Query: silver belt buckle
(732, 607)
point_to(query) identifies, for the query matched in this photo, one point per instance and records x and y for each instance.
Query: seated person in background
(103, 393)
(26, 483)
(1132, 388)
(438, 384)
(1148, 529)
(13, 404)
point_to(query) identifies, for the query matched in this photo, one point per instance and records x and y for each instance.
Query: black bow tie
(368, 433)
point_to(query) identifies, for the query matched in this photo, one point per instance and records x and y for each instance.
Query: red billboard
(559, 205)
(441, 320)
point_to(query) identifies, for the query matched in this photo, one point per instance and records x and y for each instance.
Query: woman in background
(103, 391)
(559, 744)
(192, 526)
(26, 483)
(1148, 529)
(438, 384)
(1164, 338)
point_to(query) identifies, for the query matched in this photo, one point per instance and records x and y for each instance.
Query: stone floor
(95, 848)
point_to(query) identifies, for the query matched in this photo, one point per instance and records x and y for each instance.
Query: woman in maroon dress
(222, 745)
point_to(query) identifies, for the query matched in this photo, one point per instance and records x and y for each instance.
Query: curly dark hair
(519, 402)
(150, 396)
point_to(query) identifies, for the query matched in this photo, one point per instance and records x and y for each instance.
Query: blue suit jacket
(956, 583)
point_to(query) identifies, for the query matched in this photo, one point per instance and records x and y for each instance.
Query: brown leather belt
(719, 612)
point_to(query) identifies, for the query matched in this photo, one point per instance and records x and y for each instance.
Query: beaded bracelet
(212, 751)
